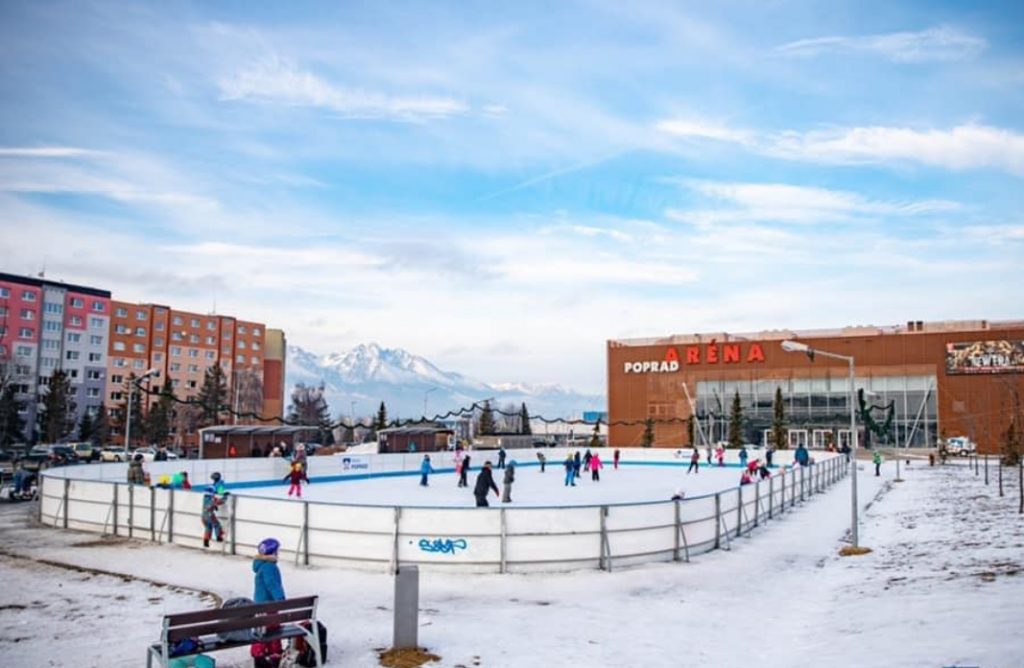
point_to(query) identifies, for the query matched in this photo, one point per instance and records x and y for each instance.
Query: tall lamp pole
(132, 384)
(797, 347)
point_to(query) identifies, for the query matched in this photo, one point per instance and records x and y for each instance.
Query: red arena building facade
(938, 380)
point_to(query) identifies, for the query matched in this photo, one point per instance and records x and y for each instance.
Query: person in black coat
(484, 482)
(501, 457)
(577, 461)
(463, 471)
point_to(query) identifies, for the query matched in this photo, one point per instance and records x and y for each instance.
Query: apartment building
(48, 325)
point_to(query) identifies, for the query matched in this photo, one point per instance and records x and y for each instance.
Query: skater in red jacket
(296, 476)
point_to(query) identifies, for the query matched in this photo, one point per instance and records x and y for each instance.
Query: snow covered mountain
(369, 374)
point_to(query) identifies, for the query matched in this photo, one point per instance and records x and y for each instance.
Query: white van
(961, 445)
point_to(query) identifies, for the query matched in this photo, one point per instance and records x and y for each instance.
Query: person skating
(211, 524)
(586, 460)
(510, 477)
(425, 470)
(694, 462)
(299, 457)
(801, 456)
(484, 483)
(296, 476)
(595, 467)
(615, 459)
(218, 483)
(743, 457)
(876, 459)
(501, 457)
(570, 471)
(161, 454)
(720, 455)
(707, 451)
(136, 474)
(463, 471)
(768, 454)
(577, 461)
(543, 461)
(459, 456)
(745, 478)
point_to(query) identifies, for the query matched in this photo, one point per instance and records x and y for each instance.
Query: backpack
(241, 635)
(307, 657)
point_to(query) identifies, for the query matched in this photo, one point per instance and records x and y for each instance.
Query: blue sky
(503, 189)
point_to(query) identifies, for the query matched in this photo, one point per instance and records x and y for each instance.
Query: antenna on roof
(42, 272)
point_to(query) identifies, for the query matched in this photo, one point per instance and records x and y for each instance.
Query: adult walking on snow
(510, 477)
(876, 459)
(484, 483)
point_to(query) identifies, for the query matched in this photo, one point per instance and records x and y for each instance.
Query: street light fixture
(797, 347)
(132, 384)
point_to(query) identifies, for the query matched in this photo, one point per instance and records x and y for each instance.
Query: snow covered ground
(943, 587)
(627, 484)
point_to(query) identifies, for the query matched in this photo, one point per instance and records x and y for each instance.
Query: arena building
(938, 379)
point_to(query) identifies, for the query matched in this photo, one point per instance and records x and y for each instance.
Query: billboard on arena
(983, 357)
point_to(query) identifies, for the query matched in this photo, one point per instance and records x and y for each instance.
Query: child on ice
(296, 476)
(425, 470)
(595, 467)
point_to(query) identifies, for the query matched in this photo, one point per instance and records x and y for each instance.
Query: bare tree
(510, 422)
(247, 391)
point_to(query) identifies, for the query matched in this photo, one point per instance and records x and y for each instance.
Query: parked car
(149, 453)
(6, 463)
(961, 445)
(84, 451)
(113, 453)
(51, 455)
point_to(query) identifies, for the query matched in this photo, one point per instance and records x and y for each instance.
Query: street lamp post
(128, 420)
(797, 347)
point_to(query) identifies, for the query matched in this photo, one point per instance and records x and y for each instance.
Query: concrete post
(67, 485)
(407, 607)
(718, 520)
(170, 516)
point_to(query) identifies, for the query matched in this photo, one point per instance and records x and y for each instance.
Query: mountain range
(369, 374)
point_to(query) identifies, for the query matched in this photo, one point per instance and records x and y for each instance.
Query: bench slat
(216, 645)
(238, 624)
(182, 618)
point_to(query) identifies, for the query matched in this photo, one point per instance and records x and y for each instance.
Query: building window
(75, 321)
(95, 340)
(119, 362)
(51, 326)
(256, 331)
(194, 322)
(192, 352)
(3, 311)
(175, 336)
(159, 326)
(211, 325)
(22, 351)
(140, 331)
(50, 344)
(21, 370)
(241, 344)
(4, 292)
(116, 396)
(175, 382)
(93, 374)
(49, 362)
(255, 360)
(139, 347)
(28, 314)
(76, 302)
(227, 335)
(95, 357)
(117, 378)
(121, 312)
(140, 315)
(240, 359)
(255, 345)
(176, 320)
(193, 368)
(241, 329)
(74, 337)
(158, 357)
(93, 393)
(96, 323)
(98, 307)
(73, 374)
(194, 338)
(53, 308)
(138, 364)
(71, 355)
(119, 346)
(175, 351)
(175, 366)
(120, 329)
(28, 296)
(158, 341)
(211, 340)
(191, 384)
(211, 355)
(25, 333)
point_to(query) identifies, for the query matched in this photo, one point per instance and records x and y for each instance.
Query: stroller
(23, 486)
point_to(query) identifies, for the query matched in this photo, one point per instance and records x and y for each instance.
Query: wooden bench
(205, 625)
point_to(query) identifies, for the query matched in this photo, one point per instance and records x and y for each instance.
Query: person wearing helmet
(211, 524)
(218, 483)
(267, 576)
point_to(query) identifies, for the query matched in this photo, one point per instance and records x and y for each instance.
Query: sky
(502, 189)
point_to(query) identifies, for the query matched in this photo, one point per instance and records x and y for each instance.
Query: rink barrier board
(500, 539)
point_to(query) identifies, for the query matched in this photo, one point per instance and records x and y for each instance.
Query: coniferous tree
(57, 417)
(85, 427)
(486, 426)
(524, 421)
(595, 438)
(691, 429)
(100, 427)
(647, 439)
(309, 408)
(382, 418)
(158, 421)
(736, 422)
(212, 395)
(12, 426)
(779, 421)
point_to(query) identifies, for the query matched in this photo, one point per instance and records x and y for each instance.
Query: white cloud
(968, 146)
(699, 129)
(45, 152)
(939, 44)
(273, 80)
(779, 202)
(962, 147)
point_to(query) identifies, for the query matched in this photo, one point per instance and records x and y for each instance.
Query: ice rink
(631, 483)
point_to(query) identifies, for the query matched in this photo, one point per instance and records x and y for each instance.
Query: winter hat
(215, 476)
(512, 463)
(268, 546)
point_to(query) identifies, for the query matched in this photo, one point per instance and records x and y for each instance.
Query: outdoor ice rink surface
(631, 483)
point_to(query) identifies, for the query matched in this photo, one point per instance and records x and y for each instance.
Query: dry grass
(851, 551)
(406, 658)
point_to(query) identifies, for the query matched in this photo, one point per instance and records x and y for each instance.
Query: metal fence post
(678, 527)
(170, 516)
(152, 514)
(606, 556)
(718, 520)
(115, 508)
(771, 495)
(131, 511)
(394, 541)
(305, 533)
(67, 486)
(232, 543)
(739, 511)
(782, 494)
(757, 501)
(986, 469)
(504, 543)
